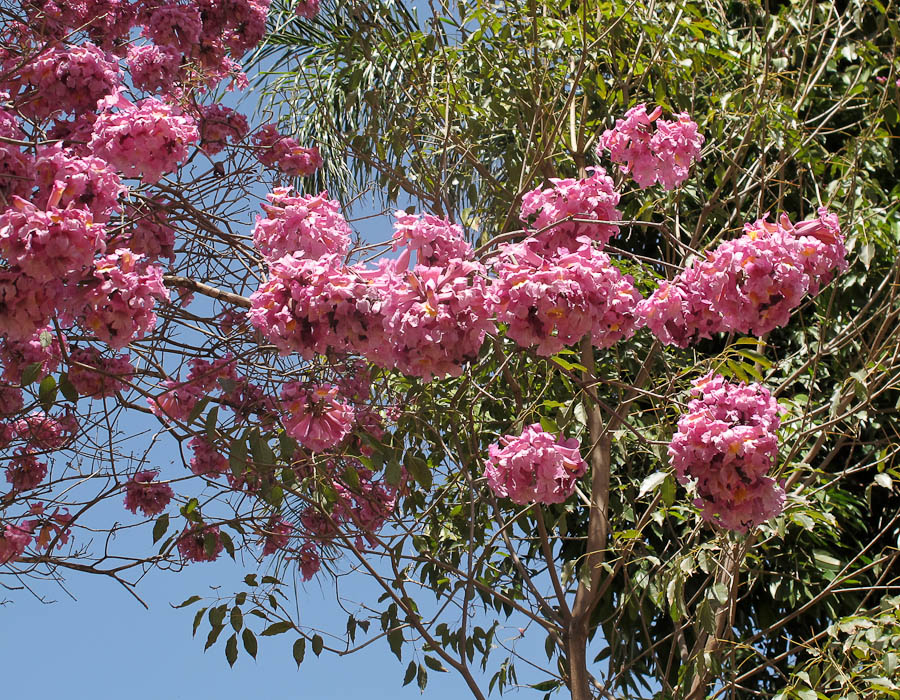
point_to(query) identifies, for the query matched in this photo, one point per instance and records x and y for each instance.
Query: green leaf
(410, 673)
(198, 618)
(231, 650)
(720, 591)
(160, 527)
(418, 469)
(299, 650)
(317, 644)
(213, 636)
(31, 372)
(395, 640)
(66, 388)
(434, 664)
(422, 678)
(237, 457)
(393, 473)
(276, 628)
(651, 483)
(237, 619)
(212, 418)
(190, 601)
(667, 491)
(198, 408)
(249, 640)
(707, 617)
(47, 393)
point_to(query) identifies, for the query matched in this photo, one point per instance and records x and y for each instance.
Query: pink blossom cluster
(309, 561)
(206, 459)
(662, 155)
(750, 284)
(14, 540)
(219, 126)
(154, 68)
(96, 376)
(66, 180)
(26, 304)
(435, 318)
(151, 235)
(200, 543)
(24, 471)
(177, 401)
(49, 244)
(435, 241)
(143, 493)
(118, 304)
(552, 211)
(316, 306)
(307, 9)
(42, 348)
(363, 509)
(146, 140)
(726, 445)
(277, 535)
(69, 79)
(46, 432)
(534, 467)
(551, 302)
(275, 150)
(315, 416)
(106, 22)
(310, 225)
(11, 401)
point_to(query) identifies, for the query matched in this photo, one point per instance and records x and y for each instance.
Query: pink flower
(435, 318)
(207, 461)
(62, 80)
(311, 226)
(96, 376)
(65, 179)
(55, 244)
(593, 198)
(220, 125)
(176, 27)
(11, 402)
(726, 445)
(554, 301)
(177, 402)
(145, 140)
(277, 535)
(750, 284)
(141, 492)
(154, 68)
(151, 236)
(276, 150)
(24, 471)
(307, 9)
(42, 347)
(26, 304)
(46, 432)
(314, 415)
(14, 540)
(309, 561)
(316, 306)
(662, 155)
(535, 467)
(118, 305)
(200, 543)
(434, 241)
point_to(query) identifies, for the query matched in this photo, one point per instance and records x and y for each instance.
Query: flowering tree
(622, 378)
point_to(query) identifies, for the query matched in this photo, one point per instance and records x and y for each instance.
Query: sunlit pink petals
(315, 416)
(534, 467)
(144, 494)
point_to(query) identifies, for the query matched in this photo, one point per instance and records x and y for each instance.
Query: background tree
(364, 416)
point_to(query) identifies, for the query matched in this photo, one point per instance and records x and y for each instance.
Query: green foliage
(463, 113)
